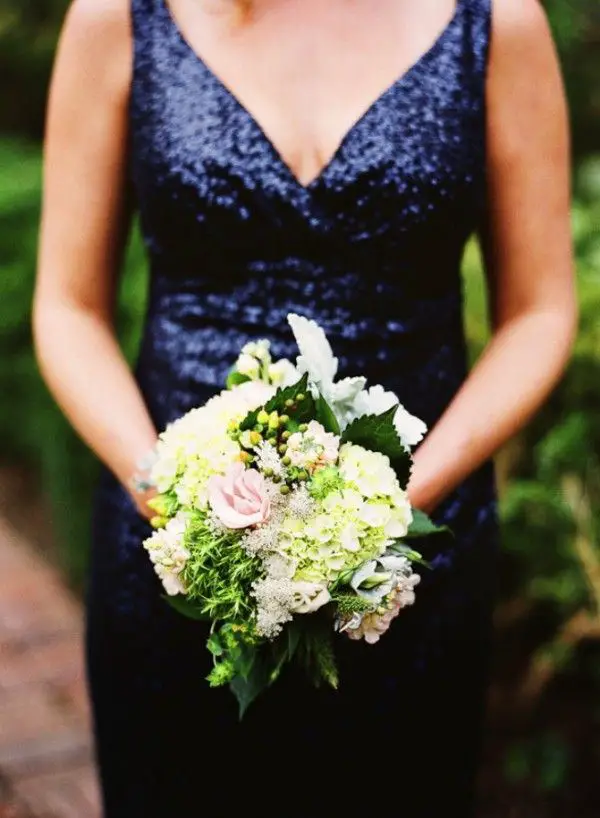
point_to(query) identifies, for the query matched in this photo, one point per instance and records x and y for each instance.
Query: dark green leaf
(302, 412)
(326, 417)
(423, 526)
(183, 606)
(378, 433)
(293, 636)
(247, 689)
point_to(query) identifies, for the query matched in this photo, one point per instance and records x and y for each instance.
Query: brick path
(46, 769)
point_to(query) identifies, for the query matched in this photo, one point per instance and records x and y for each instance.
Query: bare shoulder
(520, 25)
(98, 18)
(96, 41)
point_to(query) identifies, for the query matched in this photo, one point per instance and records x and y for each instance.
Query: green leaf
(183, 606)
(235, 378)
(326, 417)
(302, 412)
(214, 645)
(293, 636)
(423, 526)
(402, 550)
(247, 689)
(378, 433)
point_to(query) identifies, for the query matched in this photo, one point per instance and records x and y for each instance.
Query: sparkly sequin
(371, 249)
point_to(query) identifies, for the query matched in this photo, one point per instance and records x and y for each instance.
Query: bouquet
(282, 516)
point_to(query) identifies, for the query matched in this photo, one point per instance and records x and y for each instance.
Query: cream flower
(168, 554)
(283, 373)
(308, 597)
(248, 365)
(313, 448)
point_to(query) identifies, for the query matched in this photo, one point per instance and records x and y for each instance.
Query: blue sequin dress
(371, 249)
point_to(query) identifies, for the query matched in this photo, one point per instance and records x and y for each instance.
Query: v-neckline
(278, 157)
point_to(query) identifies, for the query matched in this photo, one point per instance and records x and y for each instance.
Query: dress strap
(479, 16)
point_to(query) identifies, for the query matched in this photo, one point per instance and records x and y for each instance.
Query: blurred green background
(543, 747)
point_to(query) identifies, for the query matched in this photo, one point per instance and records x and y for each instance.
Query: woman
(329, 159)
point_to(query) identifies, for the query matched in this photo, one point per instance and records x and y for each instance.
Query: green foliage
(379, 433)
(423, 526)
(32, 430)
(186, 607)
(219, 585)
(326, 417)
(349, 604)
(316, 652)
(294, 401)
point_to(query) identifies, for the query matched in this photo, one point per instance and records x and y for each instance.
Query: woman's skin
(307, 70)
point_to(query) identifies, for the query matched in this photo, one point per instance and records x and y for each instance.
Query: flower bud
(289, 403)
(283, 419)
(303, 427)
(301, 396)
(255, 438)
(286, 435)
(273, 420)
(262, 417)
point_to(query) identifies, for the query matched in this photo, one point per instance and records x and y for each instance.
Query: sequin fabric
(371, 249)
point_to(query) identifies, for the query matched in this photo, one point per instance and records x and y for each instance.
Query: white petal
(316, 356)
(411, 429)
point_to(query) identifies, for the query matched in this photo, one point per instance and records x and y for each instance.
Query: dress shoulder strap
(479, 18)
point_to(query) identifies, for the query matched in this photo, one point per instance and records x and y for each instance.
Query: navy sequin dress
(371, 249)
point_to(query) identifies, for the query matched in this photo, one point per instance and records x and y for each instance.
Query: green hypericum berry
(276, 478)
(262, 417)
(284, 419)
(300, 397)
(303, 427)
(267, 472)
(302, 476)
(287, 461)
(289, 403)
(284, 489)
(282, 449)
(286, 435)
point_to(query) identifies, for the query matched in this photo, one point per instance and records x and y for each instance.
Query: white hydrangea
(198, 445)
(369, 471)
(168, 553)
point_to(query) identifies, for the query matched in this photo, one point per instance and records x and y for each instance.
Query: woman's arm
(528, 253)
(84, 224)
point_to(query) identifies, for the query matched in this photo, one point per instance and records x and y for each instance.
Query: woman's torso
(370, 248)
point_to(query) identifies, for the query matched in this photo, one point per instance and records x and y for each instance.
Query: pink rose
(239, 499)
